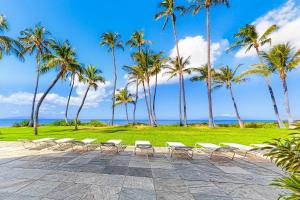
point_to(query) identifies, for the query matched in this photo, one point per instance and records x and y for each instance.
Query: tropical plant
(144, 60)
(136, 40)
(282, 59)
(92, 77)
(112, 41)
(8, 45)
(74, 71)
(248, 38)
(195, 7)
(124, 97)
(225, 76)
(285, 153)
(168, 10)
(35, 41)
(159, 62)
(62, 59)
(173, 69)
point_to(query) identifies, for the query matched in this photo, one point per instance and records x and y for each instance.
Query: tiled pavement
(93, 175)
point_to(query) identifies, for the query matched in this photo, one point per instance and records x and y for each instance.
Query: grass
(157, 136)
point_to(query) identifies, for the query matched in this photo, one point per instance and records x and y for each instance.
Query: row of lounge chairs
(173, 147)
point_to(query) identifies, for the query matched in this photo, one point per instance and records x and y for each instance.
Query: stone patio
(27, 174)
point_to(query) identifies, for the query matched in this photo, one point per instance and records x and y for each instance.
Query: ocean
(10, 122)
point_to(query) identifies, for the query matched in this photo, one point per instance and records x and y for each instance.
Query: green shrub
(21, 124)
(286, 154)
(95, 123)
(63, 123)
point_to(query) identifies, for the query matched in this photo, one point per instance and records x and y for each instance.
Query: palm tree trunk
(35, 90)
(36, 114)
(146, 100)
(180, 94)
(126, 113)
(210, 111)
(154, 96)
(280, 123)
(69, 97)
(80, 107)
(184, 101)
(287, 103)
(180, 67)
(115, 88)
(236, 109)
(150, 102)
(136, 99)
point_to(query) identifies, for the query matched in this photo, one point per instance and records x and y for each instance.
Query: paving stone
(116, 162)
(68, 191)
(119, 170)
(171, 185)
(38, 188)
(62, 176)
(174, 196)
(102, 192)
(134, 194)
(161, 165)
(165, 173)
(110, 180)
(13, 185)
(211, 197)
(139, 164)
(12, 196)
(140, 172)
(233, 170)
(138, 182)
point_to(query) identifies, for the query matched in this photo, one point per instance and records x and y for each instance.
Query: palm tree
(226, 76)
(137, 40)
(112, 41)
(144, 60)
(248, 38)
(35, 41)
(282, 59)
(92, 77)
(134, 76)
(124, 97)
(196, 6)
(168, 9)
(173, 70)
(63, 59)
(159, 62)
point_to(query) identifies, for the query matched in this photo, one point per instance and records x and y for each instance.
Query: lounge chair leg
(233, 156)
(135, 151)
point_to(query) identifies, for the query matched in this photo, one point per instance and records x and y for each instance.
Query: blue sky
(82, 23)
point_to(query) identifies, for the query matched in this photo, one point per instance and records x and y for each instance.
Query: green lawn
(158, 136)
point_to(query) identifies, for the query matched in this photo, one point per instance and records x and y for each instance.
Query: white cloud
(287, 17)
(53, 100)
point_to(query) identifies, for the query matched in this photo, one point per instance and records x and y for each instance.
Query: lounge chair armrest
(108, 144)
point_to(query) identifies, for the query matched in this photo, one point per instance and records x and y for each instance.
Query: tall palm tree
(196, 6)
(248, 38)
(159, 62)
(168, 9)
(124, 97)
(144, 60)
(174, 70)
(35, 41)
(282, 59)
(92, 77)
(137, 40)
(112, 41)
(226, 76)
(134, 76)
(63, 58)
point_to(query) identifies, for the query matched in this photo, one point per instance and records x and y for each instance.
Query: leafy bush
(95, 123)
(252, 125)
(63, 123)
(286, 154)
(21, 124)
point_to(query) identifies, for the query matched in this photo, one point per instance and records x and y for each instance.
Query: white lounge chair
(111, 144)
(212, 148)
(143, 145)
(27, 144)
(63, 142)
(180, 148)
(238, 147)
(83, 143)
